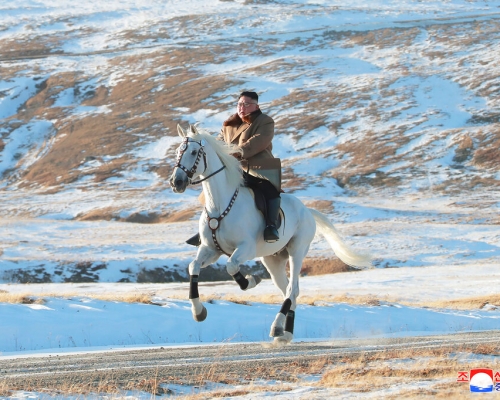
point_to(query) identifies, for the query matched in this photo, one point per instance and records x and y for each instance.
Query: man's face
(246, 105)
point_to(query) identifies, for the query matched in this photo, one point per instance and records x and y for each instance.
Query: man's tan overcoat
(254, 136)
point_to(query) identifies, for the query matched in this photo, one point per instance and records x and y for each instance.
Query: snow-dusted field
(72, 318)
(387, 117)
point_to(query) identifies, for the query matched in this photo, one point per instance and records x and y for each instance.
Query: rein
(209, 176)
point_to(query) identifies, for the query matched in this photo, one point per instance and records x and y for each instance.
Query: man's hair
(252, 95)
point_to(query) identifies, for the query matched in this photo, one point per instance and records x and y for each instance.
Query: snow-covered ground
(421, 77)
(72, 319)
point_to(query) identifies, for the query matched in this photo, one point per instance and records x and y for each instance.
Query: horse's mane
(225, 152)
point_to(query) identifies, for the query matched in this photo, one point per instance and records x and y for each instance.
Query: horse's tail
(341, 249)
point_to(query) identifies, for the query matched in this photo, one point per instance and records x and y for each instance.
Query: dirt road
(194, 365)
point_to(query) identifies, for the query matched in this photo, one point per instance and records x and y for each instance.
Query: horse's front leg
(204, 257)
(240, 255)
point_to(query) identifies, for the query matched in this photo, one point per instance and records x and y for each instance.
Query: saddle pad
(268, 169)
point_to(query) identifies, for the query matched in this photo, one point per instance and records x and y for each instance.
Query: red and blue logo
(481, 380)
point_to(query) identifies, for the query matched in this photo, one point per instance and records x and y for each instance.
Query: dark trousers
(267, 188)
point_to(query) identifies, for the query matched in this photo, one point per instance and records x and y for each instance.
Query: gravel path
(232, 363)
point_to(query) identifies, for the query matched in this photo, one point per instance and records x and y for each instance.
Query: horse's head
(189, 154)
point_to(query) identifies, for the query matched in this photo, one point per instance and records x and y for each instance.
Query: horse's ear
(180, 131)
(193, 129)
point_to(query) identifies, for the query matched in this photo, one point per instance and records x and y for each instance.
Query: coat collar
(235, 120)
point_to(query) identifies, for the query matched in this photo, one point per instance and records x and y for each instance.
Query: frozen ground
(72, 318)
(387, 119)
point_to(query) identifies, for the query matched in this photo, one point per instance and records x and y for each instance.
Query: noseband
(201, 152)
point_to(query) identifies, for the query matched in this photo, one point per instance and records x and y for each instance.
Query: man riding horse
(253, 132)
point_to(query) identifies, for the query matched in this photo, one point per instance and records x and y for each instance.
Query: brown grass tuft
(142, 298)
(23, 298)
(19, 298)
(370, 300)
(323, 266)
(231, 393)
(108, 214)
(468, 303)
(324, 206)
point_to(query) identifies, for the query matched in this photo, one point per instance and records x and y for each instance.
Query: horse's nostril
(178, 182)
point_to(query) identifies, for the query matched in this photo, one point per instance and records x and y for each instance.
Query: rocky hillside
(391, 106)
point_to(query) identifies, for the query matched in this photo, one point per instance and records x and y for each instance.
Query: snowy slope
(387, 120)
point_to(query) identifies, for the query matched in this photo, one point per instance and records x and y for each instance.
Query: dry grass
(98, 383)
(400, 370)
(320, 299)
(98, 135)
(25, 298)
(164, 81)
(312, 300)
(467, 303)
(251, 388)
(323, 266)
(20, 298)
(374, 372)
(142, 298)
(108, 214)
(246, 298)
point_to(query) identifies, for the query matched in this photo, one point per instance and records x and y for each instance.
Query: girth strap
(214, 223)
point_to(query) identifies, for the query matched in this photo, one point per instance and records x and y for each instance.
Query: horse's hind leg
(290, 303)
(297, 249)
(276, 265)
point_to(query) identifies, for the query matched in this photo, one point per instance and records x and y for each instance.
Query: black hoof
(201, 316)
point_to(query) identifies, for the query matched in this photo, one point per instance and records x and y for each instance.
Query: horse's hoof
(285, 339)
(277, 326)
(201, 316)
(276, 331)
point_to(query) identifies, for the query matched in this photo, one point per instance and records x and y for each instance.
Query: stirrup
(194, 240)
(271, 234)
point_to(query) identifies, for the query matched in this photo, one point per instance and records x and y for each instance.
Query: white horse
(231, 224)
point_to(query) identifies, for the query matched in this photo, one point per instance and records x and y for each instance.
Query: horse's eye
(193, 153)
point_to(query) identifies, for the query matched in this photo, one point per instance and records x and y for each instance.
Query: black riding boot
(194, 240)
(273, 208)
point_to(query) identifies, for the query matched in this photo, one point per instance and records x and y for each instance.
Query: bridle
(213, 223)
(201, 153)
